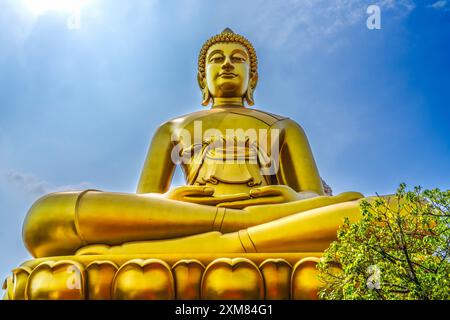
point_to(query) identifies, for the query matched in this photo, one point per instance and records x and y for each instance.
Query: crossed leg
(308, 231)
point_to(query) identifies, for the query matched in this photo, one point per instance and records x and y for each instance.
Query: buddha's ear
(206, 96)
(251, 88)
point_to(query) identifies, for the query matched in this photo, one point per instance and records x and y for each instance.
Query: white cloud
(441, 4)
(38, 187)
(302, 25)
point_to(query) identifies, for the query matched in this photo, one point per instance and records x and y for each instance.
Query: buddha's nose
(227, 65)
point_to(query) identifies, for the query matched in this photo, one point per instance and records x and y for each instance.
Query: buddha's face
(227, 70)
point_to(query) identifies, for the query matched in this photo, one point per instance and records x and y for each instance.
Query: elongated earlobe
(206, 96)
(251, 89)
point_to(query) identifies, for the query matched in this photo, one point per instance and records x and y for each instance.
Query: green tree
(398, 250)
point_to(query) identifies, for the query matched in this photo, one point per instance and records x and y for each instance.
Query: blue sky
(79, 103)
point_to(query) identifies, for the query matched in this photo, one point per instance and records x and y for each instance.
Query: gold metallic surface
(8, 285)
(141, 281)
(226, 209)
(144, 280)
(277, 276)
(101, 275)
(56, 281)
(231, 279)
(188, 277)
(17, 283)
(304, 281)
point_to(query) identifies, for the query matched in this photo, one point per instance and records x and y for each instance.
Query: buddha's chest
(227, 150)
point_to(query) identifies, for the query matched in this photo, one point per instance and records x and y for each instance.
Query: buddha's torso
(226, 148)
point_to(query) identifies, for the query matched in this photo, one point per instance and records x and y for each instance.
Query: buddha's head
(227, 68)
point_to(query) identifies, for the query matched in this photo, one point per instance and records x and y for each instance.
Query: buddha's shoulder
(184, 119)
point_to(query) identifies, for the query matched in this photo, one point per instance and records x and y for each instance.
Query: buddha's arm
(158, 167)
(297, 167)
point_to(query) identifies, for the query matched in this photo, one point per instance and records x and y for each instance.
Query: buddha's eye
(216, 59)
(237, 59)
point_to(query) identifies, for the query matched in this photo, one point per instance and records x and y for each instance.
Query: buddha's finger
(198, 191)
(251, 202)
(193, 191)
(267, 191)
(205, 200)
(216, 199)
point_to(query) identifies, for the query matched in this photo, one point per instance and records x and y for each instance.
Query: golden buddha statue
(252, 185)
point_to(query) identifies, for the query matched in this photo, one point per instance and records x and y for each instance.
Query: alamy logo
(373, 22)
(74, 280)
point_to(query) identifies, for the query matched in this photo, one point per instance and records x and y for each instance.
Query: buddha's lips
(227, 74)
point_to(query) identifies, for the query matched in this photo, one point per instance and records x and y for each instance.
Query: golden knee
(50, 228)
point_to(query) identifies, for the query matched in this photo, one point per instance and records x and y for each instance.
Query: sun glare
(38, 7)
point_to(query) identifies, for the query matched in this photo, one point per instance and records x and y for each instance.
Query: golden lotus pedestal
(252, 276)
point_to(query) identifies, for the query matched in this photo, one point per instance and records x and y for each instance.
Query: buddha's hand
(271, 194)
(202, 195)
(280, 193)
